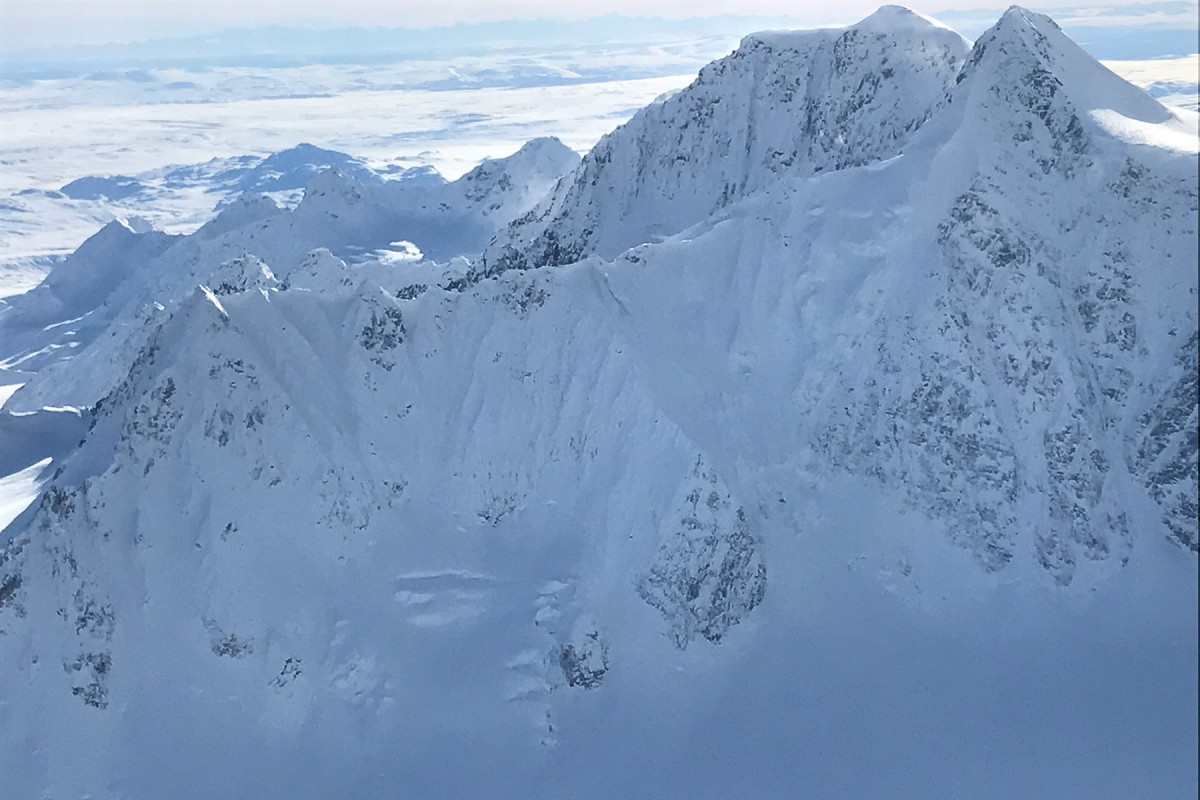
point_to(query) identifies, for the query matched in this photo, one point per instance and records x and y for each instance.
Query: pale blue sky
(51, 23)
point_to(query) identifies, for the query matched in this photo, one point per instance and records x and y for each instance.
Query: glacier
(828, 430)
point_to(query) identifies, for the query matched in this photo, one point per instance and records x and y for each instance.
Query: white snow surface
(797, 103)
(20, 489)
(126, 133)
(820, 434)
(117, 282)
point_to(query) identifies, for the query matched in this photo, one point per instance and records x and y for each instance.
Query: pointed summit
(1020, 31)
(1026, 82)
(545, 153)
(894, 18)
(784, 103)
(511, 185)
(1024, 45)
(888, 20)
(550, 147)
(1016, 18)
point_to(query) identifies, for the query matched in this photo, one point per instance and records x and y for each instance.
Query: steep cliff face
(784, 103)
(918, 408)
(1162, 450)
(1053, 290)
(238, 504)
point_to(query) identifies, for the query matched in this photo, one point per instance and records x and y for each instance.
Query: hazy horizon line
(1167, 17)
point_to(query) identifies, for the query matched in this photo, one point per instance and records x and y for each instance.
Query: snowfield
(827, 430)
(1175, 81)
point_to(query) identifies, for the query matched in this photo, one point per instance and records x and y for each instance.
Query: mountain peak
(248, 208)
(1024, 28)
(136, 224)
(887, 20)
(542, 144)
(304, 155)
(119, 229)
(332, 182)
(1018, 17)
(117, 235)
(785, 103)
(1026, 55)
(1020, 31)
(894, 18)
(543, 155)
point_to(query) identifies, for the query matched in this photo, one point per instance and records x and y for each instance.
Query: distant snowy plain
(448, 113)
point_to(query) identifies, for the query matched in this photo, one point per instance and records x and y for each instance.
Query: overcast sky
(50, 23)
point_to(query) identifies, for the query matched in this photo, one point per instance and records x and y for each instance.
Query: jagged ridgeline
(867, 340)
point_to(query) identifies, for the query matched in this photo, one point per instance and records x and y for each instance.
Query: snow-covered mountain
(784, 103)
(288, 170)
(121, 279)
(38, 222)
(830, 430)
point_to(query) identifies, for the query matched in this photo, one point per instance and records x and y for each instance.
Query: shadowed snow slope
(122, 279)
(819, 466)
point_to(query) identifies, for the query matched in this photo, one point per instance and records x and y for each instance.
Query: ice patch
(450, 616)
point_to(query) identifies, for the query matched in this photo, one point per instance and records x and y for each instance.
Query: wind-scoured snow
(828, 431)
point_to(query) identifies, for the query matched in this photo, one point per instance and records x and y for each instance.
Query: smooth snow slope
(872, 481)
